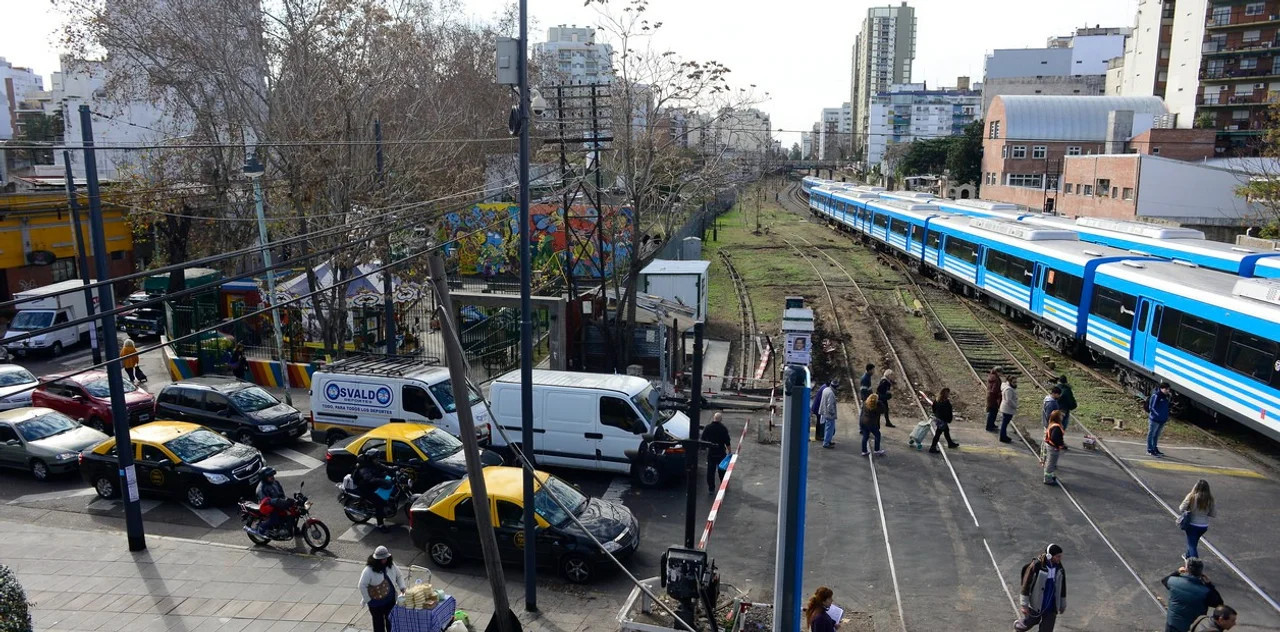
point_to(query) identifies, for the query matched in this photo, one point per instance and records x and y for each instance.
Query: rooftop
(1083, 118)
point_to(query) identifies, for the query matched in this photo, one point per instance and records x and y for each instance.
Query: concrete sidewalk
(88, 580)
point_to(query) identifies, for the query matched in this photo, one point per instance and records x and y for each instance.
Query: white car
(16, 384)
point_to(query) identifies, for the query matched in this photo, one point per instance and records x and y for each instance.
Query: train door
(1146, 330)
(1037, 290)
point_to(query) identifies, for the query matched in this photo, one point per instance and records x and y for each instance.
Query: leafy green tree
(795, 151)
(15, 612)
(925, 157)
(1263, 187)
(964, 156)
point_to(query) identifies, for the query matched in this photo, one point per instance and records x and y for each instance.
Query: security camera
(537, 104)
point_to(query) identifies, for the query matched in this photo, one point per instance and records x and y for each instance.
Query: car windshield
(546, 506)
(31, 320)
(443, 392)
(46, 426)
(437, 444)
(16, 375)
(197, 445)
(102, 388)
(645, 404)
(253, 399)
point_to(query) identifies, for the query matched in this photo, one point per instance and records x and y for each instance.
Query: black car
(435, 455)
(143, 321)
(241, 410)
(442, 523)
(177, 459)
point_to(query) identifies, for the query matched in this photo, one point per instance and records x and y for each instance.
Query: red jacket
(993, 391)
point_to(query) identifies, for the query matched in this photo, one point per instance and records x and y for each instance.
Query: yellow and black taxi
(434, 455)
(442, 523)
(179, 459)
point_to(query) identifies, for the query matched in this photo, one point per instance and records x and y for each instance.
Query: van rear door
(619, 430)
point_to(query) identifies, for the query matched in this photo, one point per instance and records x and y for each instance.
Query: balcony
(1235, 74)
(1241, 21)
(1257, 98)
(1246, 48)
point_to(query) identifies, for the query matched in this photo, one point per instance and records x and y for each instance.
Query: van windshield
(31, 320)
(443, 392)
(645, 405)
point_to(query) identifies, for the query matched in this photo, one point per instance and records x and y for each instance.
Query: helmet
(268, 471)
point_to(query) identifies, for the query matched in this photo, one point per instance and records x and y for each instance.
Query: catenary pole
(254, 170)
(388, 308)
(691, 448)
(82, 260)
(119, 414)
(526, 321)
(789, 563)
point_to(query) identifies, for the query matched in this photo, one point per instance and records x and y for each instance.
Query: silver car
(16, 384)
(43, 441)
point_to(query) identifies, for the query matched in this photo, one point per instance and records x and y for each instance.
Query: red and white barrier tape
(724, 485)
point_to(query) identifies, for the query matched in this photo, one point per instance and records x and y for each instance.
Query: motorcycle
(296, 521)
(360, 509)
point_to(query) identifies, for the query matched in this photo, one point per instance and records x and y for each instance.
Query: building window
(1164, 53)
(1162, 76)
(1027, 180)
(1127, 193)
(1221, 16)
(995, 129)
(1255, 8)
(1086, 189)
(1155, 151)
(1004, 151)
(1103, 185)
(1239, 115)
(1019, 151)
(1115, 193)
(1252, 36)
(1039, 151)
(63, 269)
(1248, 63)
(1244, 90)
(1073, 151)
(1066, 188)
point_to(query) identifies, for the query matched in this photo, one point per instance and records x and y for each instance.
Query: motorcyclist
(375, 482)
(272, 499)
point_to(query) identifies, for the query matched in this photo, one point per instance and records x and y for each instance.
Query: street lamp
(254, 170)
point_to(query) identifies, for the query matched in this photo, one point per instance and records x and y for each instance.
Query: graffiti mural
(484, 239)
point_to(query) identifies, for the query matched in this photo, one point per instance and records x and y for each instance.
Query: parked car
(442, 523)
(438, 454)
(15, 386)
(42, 441)
(178, 459)
(241, 410)
(87, 396)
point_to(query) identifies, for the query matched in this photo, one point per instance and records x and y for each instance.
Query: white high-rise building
(909, 112)
(1075, 64)
(882, 55)
(573, 51)
(15, 84)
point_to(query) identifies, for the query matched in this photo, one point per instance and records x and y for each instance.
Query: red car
(87, 396)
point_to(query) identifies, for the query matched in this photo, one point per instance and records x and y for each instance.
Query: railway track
(746, 314)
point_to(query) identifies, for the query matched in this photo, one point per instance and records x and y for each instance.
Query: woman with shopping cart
(380, 583)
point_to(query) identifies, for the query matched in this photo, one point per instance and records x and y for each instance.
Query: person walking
(380, 582)
(1199, 506)
(1055, 443)
(1044, 591)
(827, 410)
(129, 360)
(1008, 406)
(1157, 416)
(993, 397)
(864, 384)
(815, 613)
(1049, 405)
(869, 423)
(1067, 402)
(716, 435)
(885, 391)
(1190, 595)
(942, 415)
(1221, 619)
(239, 364)
(814, 403)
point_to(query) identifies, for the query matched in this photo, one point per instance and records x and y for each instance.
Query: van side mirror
(640, 428)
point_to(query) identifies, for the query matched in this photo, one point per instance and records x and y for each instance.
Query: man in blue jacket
(1190, 596)
(1157, 416)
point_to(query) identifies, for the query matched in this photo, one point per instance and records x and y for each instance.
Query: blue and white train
(1210, 333)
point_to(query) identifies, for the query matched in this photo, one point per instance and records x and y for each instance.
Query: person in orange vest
(1055, 442)
(129, 360)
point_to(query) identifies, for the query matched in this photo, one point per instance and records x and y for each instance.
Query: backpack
(1068, 400)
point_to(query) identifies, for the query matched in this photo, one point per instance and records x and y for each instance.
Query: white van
(349, 397)
(584, 420)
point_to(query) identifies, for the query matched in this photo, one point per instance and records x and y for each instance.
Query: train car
(979, 208)
(918, 197)
(1211, 335)
(1268, 268)
(899, 224)
(809, 182)
(844, 208)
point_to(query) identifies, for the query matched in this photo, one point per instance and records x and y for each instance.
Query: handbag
(724, 463)
(1184, 520)
(381, 594)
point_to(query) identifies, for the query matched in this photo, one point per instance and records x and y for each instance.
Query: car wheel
(647, 475)
(576, 569)
(443, 553)
(96, 423)
(39, 469)
(57, 348)
(197, 497)
(105, 486)
(243, 436)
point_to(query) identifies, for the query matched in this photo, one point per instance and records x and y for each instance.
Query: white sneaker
(879, 452)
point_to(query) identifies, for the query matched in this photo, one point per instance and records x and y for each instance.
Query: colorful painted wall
(484, 239)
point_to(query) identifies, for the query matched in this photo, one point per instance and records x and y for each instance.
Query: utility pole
(789, 561)
(526, 321)
(115, 382)
(254, 170)
(505, 619)
(691, 448)
(388, 308)
(82, 260)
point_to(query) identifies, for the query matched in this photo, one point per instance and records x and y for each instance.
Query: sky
(799, 51)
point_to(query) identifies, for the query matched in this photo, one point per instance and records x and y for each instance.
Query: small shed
(682, 281)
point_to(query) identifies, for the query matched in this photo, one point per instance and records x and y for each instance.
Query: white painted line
(212, 516)
(356, 533)
(616, 489)
(1166, 447)
(884, 528)
(1003, 585)
(32, 498)
(102, 504)
(292, 473)
(299, 458)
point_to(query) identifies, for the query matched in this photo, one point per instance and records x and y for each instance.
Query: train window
(933, 239)
(1015, 269)
(997, 262)
(881, 222)
(1252, 356)
(900, 227)
(1063, 286)
(1114, 306)
(961, 249)
(1194, 335)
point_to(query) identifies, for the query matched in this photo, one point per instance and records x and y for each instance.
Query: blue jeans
(1066, 419)
(866, 434)
(991, 419)
(1005, 418)
(828, 430)
(1194, 534)
(1154, 428)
